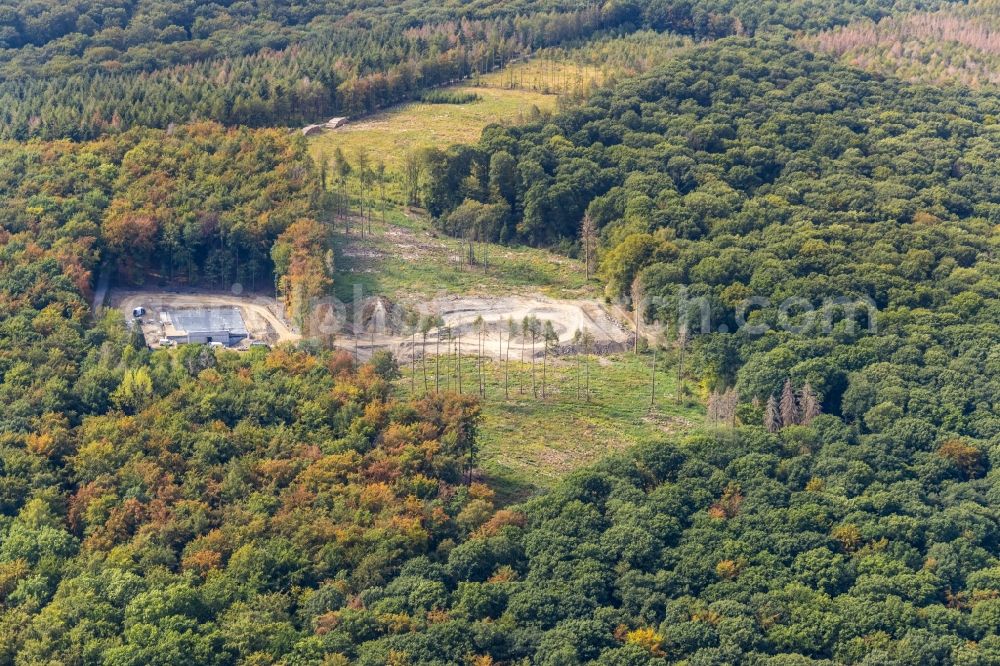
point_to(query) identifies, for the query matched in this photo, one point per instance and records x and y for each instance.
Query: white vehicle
(216, 345)
(138, 312)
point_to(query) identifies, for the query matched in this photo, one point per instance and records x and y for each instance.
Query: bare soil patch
(261, 314)
(459, 314)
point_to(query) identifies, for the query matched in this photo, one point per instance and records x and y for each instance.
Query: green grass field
(527, 442)
(407, 257)
(579, 70)
(549, 76)
(390, 134)
(510, 95)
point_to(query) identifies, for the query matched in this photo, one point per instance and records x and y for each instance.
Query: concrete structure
(331, 124)
(204, 325)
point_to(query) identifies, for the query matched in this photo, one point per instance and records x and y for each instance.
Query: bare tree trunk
(520, 375)
(638, 295)
(534, 391)
(423, 361)
(652, 391)
(545, 361)
(680, 371)
(588, 234)
(382, 189)
(578, 375)
(506, 366)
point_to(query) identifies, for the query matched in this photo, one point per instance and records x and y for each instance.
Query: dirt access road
(459, 314)
(384, 330)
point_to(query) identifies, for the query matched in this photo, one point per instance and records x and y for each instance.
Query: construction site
(219, 319)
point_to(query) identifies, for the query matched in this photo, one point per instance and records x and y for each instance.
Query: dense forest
(815, 546)
(347, 71)
(200, 205)
(225, 507)
(745, 169)
(81, 69)
(819, 243)
(959, 43)
(198, 201)
(750, 169)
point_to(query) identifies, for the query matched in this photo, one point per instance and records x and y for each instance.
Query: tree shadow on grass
(509, 487)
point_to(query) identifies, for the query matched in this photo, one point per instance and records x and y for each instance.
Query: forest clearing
(261, 314)
(394, 132)
(516, 93)
(532, 435)
(481, 325)
(406, 256)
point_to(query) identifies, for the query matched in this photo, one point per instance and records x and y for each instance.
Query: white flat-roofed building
(204, 325)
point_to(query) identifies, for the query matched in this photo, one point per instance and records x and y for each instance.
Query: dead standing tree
(809, 404)
(587, 345)
(364, 180)
(549, 340)
(792, 409)
(413, 323)
(426, 324)
(479, 325)
(638, 298)
(511, 333)
(588, 242)
(532, 327)
(722, 407)
(342, 169)
(380, 179)
(577, 339)
(652, 372)
(788, 405)
(437, 322)
(682, 342)
(772, 415)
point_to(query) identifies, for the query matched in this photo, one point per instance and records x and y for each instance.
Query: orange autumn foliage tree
(261, 478)
(965, 457)
(303, 260)
(195, 203)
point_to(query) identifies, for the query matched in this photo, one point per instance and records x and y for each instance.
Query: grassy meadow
(527, 442)
(512, 94)
(392, 133)
(407, 257)
(546, 75)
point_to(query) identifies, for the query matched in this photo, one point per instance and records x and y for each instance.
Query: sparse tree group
(792, 408)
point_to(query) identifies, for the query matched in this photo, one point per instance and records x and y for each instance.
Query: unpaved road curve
(459, 314)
